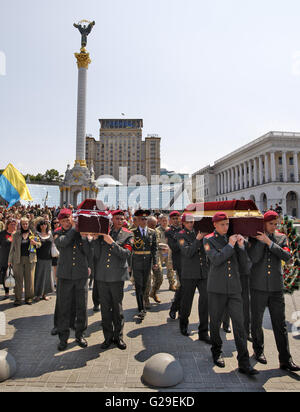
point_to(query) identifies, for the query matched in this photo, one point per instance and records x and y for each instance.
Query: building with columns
(204, 185)
(265, 170)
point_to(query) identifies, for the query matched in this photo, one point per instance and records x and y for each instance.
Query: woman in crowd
(42, 279)
(55, 225)
(6, 237)
(23, 258)
(2, 224)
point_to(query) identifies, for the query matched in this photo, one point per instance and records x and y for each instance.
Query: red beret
(187, 217)
(174, 213)
(64, 213)
(219, 216)
(117, 212)
(270, 215)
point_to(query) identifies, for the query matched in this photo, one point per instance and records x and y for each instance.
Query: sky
(207, 76)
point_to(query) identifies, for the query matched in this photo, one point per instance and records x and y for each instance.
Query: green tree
(52, 175)
(39, 177)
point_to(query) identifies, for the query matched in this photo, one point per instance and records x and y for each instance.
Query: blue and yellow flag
(13, 186)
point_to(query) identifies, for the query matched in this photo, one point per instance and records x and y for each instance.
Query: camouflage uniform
(165, 255)
(157, 280)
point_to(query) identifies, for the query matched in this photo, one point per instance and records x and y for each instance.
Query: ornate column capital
(83, 58)
(81, 163)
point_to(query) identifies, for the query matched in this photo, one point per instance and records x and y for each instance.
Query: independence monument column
(79, 179)
(83, 61)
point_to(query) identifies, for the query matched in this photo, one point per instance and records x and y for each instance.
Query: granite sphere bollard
(7, 365)
(163, 370)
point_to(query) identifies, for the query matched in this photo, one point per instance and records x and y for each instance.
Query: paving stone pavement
(40, 367)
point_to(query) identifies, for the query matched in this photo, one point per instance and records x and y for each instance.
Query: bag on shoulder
(54, 251)
(9, 281)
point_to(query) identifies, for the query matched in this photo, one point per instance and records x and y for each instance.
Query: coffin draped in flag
(13, 186)
(244, 216)
(90, 219)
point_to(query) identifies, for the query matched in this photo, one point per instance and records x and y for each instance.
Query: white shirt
(145, 230)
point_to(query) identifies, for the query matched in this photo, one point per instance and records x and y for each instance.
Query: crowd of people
(26, 246)
(237, 277)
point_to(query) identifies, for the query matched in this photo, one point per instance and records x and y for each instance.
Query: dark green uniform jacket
(112, 260)
(225, 262)
(193, 258)
(171, 235)
(75, 256)
(266, 273)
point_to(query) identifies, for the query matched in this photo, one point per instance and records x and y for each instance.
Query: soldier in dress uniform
(171, 236)
(144, 256)
(245, 283)
(224, 289)
(112, 253)
(193, 275)
(266, 284)
(74, 268)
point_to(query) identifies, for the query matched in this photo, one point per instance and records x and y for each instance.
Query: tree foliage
(291, 269)
(51, 176)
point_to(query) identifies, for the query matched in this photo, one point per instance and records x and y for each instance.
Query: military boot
(172, 288)
(154, 296)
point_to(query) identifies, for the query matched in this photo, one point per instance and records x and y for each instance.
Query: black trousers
(217, 303)
(67, 292)
(245, 283)
(276, 304)
(95, 294)
(188, 288)
(141, 276)
(2, 277)
(73, 309)
(111, 296)
(177, 298)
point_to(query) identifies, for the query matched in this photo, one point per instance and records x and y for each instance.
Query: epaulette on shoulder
(134, 229)
(279, 233)
(209, 236)
(126, 230)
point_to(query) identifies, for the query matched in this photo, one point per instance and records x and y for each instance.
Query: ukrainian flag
(13, 186)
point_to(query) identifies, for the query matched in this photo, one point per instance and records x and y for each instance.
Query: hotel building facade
(121, 146)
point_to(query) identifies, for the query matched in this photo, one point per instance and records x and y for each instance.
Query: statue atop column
(84, 30)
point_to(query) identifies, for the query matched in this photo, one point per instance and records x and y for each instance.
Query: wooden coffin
(90, 220)
(244, 217)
